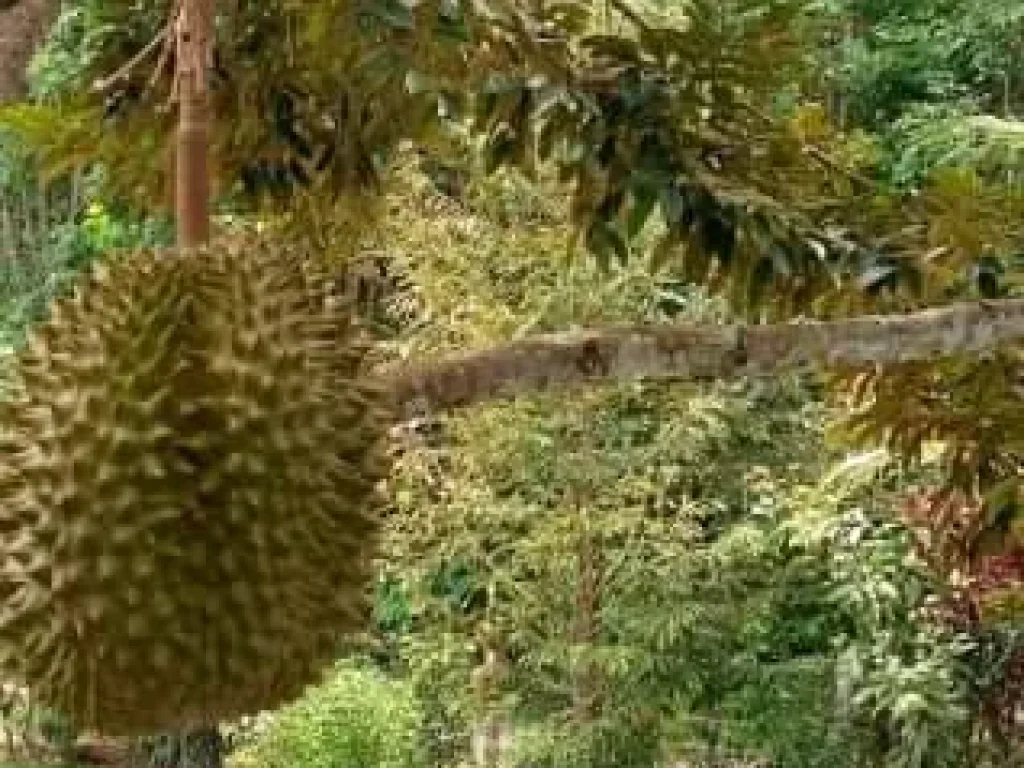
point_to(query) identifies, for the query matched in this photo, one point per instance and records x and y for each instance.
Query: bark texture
(696, 353)
(23, 25)
(192, 195)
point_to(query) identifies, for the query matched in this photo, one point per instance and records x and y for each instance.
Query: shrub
(599, 744)
(357, 718)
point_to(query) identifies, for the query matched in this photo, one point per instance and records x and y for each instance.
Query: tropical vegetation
(797, 541)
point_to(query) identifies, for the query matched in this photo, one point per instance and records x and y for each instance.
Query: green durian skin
(188, 489)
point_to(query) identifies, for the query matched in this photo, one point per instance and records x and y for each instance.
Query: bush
(358, 718)
(598, 744)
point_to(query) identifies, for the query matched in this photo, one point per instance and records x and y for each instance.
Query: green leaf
(604, 241)
(612, 46)
(501, 148)
(451, 22)
(876, 277)
(781, 262)
(673, 206)
(395, 13)
(759, 281)
(643, 199)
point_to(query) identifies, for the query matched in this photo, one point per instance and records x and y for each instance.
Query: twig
(105, 84)
(819, 155)
(170, 42)
(164, 37)
(631, 15)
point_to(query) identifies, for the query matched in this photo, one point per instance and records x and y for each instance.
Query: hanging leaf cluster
(305, 95)
(643, 119)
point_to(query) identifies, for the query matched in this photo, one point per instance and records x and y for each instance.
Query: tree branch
(701, 352)
(108, 83)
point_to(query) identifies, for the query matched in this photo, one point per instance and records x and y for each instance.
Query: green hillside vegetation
(823, 566)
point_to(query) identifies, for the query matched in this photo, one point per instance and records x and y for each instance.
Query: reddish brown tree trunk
(192, 190)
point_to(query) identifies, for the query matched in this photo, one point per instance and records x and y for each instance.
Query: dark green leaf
(643, 200)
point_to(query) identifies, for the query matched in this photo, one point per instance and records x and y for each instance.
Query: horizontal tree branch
(701, 352)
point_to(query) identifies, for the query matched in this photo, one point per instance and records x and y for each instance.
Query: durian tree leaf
(643, 200)
(606, 242)
(394, 13)
(694, 101)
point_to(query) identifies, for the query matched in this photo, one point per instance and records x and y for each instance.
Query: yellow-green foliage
(188, 489)
(355, 718)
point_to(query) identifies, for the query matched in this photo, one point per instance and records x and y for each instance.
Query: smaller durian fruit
(188, 489)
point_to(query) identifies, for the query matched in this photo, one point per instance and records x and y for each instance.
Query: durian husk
(188, 489)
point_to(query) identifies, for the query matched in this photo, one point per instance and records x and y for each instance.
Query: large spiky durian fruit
(187, 490)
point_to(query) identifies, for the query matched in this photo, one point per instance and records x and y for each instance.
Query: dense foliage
(356, 717)
(647, 560)
(640, 573)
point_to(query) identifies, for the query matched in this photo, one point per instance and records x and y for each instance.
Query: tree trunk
(22, 27)
(202, 748)
(192, 190)
(492, 732)
(199, 748)
(698, 353)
